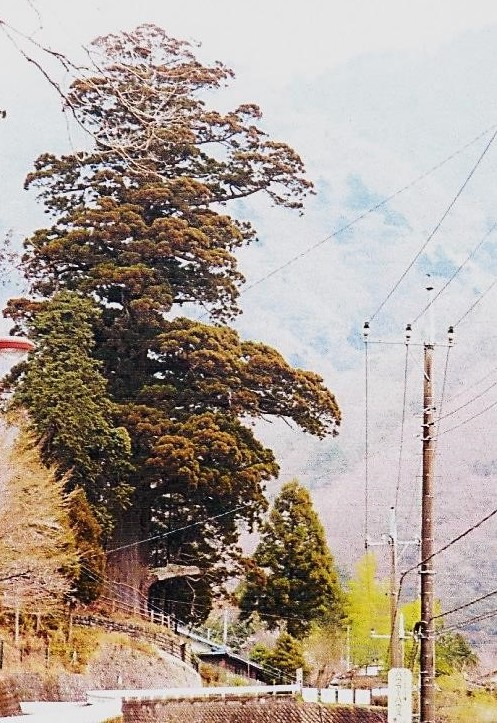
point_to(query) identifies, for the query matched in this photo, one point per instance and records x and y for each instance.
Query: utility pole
(395, 649)
(427, 628)
(427, 568)
(402, 637)
(396, 644)
(427, 690)
(348, 661)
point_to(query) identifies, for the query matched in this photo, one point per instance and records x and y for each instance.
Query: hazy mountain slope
(367, 131)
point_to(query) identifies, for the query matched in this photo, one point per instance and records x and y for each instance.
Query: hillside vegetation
(93, 659)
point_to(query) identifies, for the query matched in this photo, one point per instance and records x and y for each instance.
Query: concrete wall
(245, 710)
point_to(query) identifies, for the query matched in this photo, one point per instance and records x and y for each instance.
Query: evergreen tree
(66, 395)
(283, 659)
(292, 578)
(88, 539)
(287, 655)
(453, 653)
(138, 231)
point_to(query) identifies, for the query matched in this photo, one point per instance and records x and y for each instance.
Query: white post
(299, 677)
(348, 662)
(225, 626)
(16, 624)
(399, 695)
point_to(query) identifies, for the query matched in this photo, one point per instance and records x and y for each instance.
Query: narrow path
(67, 712)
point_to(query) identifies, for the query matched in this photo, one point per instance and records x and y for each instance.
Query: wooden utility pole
(396, 660)
(427, 631)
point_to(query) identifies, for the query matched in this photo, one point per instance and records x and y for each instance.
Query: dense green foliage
(285, 657)
(138, 232)
(453, 654)
(66, 395)
(292, 578)
(88, 540)
(138, 218)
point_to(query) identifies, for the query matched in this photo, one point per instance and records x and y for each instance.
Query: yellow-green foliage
(456, 704)
(367, 607)
(75, 654)
(37, 548)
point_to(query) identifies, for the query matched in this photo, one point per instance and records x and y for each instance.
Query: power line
(178, 529)
(465, 605)
(478, 300)
(445, 547)
(449, 544)
(104, 579)
(436, 227)
(459, 537)
(369, 211)
(474, 384)
(456, 272)
(70, 66)
(470, 401)
(466, 421)
(475, 619)
(444, 385)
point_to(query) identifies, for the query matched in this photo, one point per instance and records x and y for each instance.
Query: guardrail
(94, 696)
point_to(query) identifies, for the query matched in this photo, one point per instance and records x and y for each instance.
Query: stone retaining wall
(246, 710)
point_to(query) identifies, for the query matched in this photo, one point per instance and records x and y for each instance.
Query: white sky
(274, 39)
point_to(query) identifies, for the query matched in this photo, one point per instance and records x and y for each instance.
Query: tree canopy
(66, 395)
(87, 532)
(367, 605)
(138, 219)
(38, 555)
(284, 658)
(151, 411)
(292, 578)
